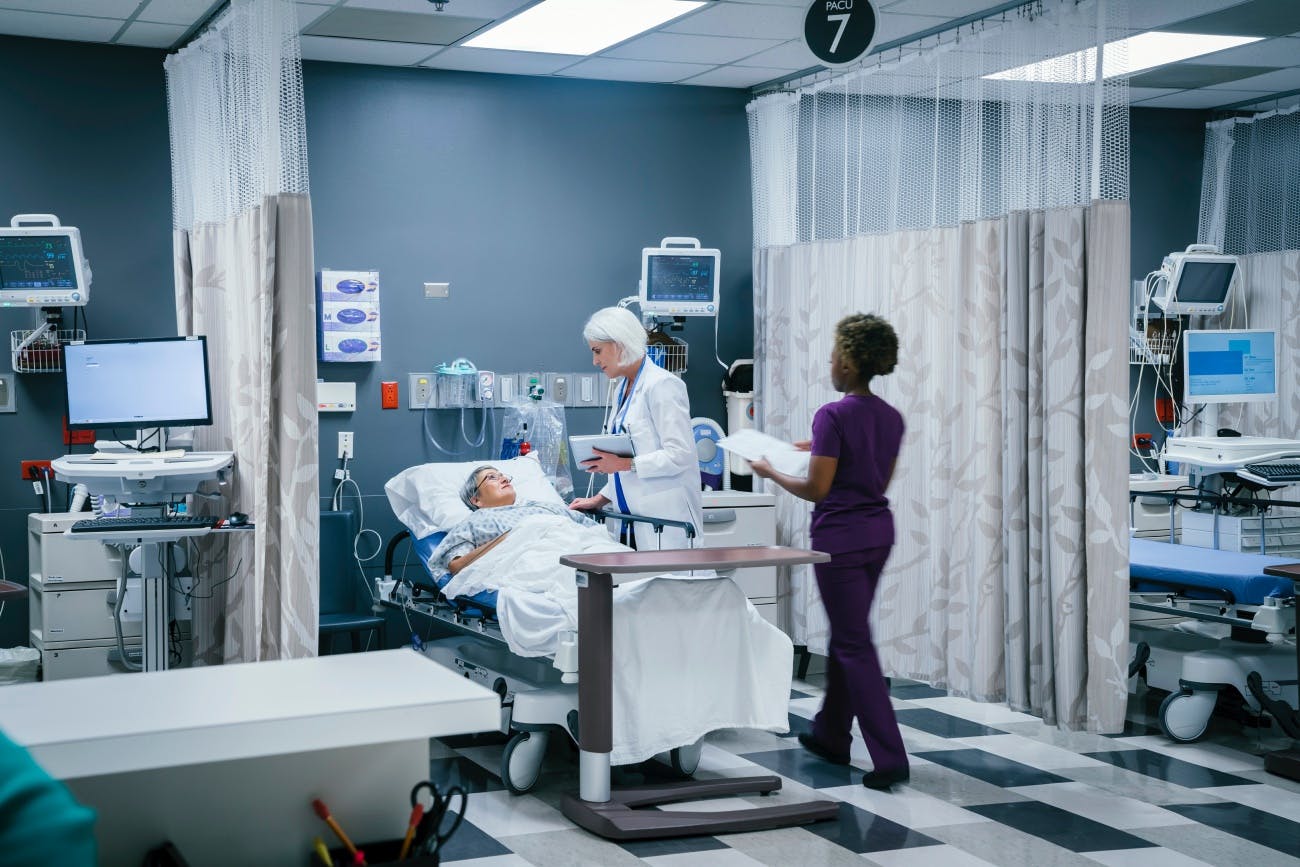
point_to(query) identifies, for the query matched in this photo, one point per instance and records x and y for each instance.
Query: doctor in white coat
(663, 478)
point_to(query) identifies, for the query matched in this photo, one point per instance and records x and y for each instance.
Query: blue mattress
(425, 547)
(1240, 574)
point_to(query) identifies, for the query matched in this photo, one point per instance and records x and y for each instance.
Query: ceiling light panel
(1134, 54)
(580, 27)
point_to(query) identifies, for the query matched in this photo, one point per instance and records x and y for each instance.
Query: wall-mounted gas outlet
(507, 388)
(420, 390)
(558, 387)
(586, 390)
(345, 444)
(530, 381)
(6, 392)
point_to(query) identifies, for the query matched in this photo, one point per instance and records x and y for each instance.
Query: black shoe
(817, 748)
(885, 779)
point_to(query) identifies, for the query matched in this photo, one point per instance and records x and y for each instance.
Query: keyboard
(1271, 473)
(132, 523)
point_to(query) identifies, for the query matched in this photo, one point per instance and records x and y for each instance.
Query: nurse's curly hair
(869, 342)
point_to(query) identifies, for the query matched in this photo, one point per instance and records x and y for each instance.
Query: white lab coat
(665, 480)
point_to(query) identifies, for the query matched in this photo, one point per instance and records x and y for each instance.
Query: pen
(416, 815)
(321, 810)
(321, 852)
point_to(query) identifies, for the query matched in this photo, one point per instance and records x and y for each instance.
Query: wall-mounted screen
(155, 382)
(1234, 366)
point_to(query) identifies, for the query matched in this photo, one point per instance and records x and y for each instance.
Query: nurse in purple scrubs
(854, 446)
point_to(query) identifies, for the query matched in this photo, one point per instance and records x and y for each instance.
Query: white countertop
(131, 722)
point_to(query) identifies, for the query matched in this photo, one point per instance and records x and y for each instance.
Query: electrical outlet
(30, 472)
(345, 444)
(586, 391)
(6, 392)
(420, 390)
(507, 388)
(388, 398)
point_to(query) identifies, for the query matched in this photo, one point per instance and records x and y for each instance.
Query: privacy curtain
(242, 237)
(987, 220)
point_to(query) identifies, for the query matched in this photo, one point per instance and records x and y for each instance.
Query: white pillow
(426, 498)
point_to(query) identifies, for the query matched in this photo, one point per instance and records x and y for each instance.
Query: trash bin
(18, 664)
(738, 390)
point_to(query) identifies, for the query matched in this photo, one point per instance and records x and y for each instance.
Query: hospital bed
(539, 694)
(1204, 621)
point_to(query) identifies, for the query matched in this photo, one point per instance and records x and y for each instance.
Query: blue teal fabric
(40, 823)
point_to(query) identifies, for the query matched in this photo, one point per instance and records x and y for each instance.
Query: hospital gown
(484, 525)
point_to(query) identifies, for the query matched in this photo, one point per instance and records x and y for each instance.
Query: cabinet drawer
(76, 615)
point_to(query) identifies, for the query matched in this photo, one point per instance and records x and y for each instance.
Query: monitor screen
(1229, 366)
(679, 282)
(42, 267)
(143, 383)
(1204, 282)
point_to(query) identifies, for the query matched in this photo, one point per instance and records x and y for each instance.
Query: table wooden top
(9, 588)
(1284, 570)
(692, 558)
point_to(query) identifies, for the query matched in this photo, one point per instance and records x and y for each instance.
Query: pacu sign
(839, 31)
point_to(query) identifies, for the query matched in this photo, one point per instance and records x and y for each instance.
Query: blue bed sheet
(1240, 574)
(425, 548)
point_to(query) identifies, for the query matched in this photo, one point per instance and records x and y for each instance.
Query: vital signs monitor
(42, 265)
(1196, 281)
(678, 278)
(1229, 366)
(145, 383)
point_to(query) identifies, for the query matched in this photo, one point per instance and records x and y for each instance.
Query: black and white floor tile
(988, 786)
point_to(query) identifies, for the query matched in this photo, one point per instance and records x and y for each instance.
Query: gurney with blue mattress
(1207, 620)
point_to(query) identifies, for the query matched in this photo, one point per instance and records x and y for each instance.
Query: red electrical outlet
(30, 471)
(388, 395)
(77, 437)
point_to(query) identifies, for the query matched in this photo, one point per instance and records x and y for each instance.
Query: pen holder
(379, 853)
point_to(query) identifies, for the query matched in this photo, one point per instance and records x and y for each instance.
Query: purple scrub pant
(855, 685)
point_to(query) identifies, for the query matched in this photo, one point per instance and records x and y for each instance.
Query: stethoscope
(616, 415)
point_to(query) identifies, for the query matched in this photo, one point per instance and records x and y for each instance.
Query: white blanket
(691, 655)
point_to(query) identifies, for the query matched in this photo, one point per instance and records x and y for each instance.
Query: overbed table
(1286, 763)
(614, 814)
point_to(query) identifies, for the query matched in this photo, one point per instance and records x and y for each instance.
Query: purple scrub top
(864, 434)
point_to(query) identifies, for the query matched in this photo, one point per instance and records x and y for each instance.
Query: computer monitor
(42, 266)
(1229, 366)
(144, 383)
(678, 278)
(1196, 281)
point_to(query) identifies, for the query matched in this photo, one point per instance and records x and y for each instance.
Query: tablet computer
(618, 444)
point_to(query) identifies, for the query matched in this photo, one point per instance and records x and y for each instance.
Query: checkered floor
(989, 786)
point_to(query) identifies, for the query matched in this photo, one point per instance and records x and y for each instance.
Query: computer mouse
(236, 519)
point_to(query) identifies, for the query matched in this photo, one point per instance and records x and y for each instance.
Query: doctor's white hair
(620, 326)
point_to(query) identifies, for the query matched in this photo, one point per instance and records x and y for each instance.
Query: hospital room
(679, 432)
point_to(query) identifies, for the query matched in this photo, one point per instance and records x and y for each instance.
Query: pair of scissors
(430, 833)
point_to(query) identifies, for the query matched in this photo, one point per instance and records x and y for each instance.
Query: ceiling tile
(183, 12)
(96, 8)
(309, 13)
(684, 48)
(1155, 14)
(736, 76)
(473, 8)
(1272, 104)
(1137, 94)
(363, 51)
(615, 69)
(381, 26)
(801, 3)
(1280, 51)
(945, 8)
(152, 35)
(494, 60)
(892, 26)
(740, 19)
(1252, 18)
(1185, 76)
(1197, 99)
(793, 55)
(74, 27)
(1276, 81)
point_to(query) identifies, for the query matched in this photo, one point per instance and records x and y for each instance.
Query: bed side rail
(658, 524)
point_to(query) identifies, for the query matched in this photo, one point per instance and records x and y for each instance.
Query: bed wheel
(521, 763)
(1185, 715)
(685, 760)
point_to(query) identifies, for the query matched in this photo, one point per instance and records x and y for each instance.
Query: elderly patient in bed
(490, 495)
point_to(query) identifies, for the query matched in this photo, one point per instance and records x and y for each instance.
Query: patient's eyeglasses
(492, 477)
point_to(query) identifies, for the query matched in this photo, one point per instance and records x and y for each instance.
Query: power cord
(344, 476)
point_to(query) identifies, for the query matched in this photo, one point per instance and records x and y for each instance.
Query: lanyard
(616, 424)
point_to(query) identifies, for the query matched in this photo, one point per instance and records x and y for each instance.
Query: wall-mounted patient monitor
(42, 265)
(678, 278)
(146, 383)
(1229, 366)
(1196, 281)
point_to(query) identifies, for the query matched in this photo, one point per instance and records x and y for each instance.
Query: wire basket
(1155, 349)
(41, 350)
(667, 352)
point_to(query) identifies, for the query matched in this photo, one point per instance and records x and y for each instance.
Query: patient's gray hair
(469, 490)
(620, 326)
